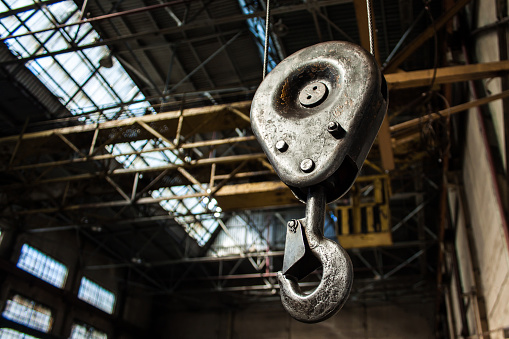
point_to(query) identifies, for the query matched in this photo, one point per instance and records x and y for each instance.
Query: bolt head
(307, 165)
(332, 126)
(281, 145)
(292, 225)
(335, 129)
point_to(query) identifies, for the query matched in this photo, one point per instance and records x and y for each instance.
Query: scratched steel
(337, 275)
(316, 116)
(355, 99)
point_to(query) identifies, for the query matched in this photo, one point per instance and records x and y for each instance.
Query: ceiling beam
(125, 171)
(395, 81)
(448, 111)
(199, 113)
(170, 30)
(200, 260)
(447, 75)
(232, 197)
(101, 157)
(429, 32)
(37, 5)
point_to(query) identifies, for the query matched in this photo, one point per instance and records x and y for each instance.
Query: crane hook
(316, 115)
(304, 252)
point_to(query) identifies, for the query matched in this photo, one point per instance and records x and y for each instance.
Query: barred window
(85, 331)
(42, 266)
(9, 333)
(29, 313)
(96, 295)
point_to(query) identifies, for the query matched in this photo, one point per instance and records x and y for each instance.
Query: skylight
(241, 238)
(75, 78)
(98, 94)
(42, 266)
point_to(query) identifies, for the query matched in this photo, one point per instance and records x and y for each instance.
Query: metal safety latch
(316, 115)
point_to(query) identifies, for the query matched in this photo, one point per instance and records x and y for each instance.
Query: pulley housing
(316, 115)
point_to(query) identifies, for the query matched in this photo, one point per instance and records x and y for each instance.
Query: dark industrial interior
(136, 202)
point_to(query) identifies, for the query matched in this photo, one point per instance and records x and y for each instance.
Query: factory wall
(487, 50)
(489, 231)
(482, 241)
(130, 317)
(460, 268)
(358, 321)
(477, 265)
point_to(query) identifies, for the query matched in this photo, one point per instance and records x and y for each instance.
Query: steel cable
(370, 28)
(266, 49)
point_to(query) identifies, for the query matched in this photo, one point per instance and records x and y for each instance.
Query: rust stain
(284, 92)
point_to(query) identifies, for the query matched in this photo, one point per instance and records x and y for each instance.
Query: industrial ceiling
(127, 123)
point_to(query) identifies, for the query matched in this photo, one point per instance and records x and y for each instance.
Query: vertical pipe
(451, 323)
(459, 289)
(503, 55)
(168, 76)
(229, 327)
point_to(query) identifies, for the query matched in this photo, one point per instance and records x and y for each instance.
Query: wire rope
(266, 48)
(370, 28)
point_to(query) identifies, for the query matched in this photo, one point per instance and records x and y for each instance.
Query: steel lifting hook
(316, 115)
(305, 250)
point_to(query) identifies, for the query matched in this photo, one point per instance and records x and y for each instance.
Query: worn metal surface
(313, 94)
(325, 103)
(298, 260)
(337, 275)
(316, 116)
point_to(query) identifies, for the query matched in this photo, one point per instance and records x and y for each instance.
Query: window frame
(35, 303)
(87, 326)
(92, 300)
(48, 261)
(22, 335)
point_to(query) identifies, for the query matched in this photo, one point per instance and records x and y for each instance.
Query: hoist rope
(267, 28)
(370, 28)
(266, 49)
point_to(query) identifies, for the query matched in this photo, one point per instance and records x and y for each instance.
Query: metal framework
(85, 170)
(173, 131)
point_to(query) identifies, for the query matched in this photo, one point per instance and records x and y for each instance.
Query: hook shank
(337, 276)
